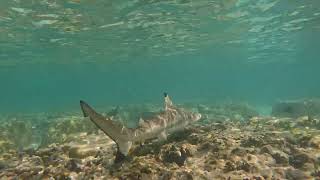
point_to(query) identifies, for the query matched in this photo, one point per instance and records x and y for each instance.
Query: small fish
(157, 126)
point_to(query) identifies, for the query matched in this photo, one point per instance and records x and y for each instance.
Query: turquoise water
(54, 53)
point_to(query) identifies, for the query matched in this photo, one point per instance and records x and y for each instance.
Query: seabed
(232, 142)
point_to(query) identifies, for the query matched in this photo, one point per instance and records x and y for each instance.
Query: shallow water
(54, 53)
(230, 59)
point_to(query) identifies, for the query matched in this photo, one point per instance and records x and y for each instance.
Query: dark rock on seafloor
(296, 174)
(3, 165)
(180, 135)
(48, 150)
(253, 141)
(316, 173)
(207, 146)
(313, 141)
(243, 165)
(240, 151)
(230, 166)
(175, 155)
(267, 149)
(195, 139)
(298, 160)
(296, 108)
(290, 138)
(73, 165)
(185, 175)
(279, 156)
(236, 166)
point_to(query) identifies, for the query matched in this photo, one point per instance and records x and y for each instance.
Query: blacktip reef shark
(157, 126)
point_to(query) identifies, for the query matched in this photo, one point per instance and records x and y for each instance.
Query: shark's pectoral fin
(162, 136)
(114, 112)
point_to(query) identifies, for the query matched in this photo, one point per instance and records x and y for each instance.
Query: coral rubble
(254, 148)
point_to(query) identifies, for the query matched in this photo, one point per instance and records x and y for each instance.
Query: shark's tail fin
(115, 130)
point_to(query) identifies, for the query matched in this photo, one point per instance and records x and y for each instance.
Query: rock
(180, 135)
(289, 109)
(239, 151)
(36, 161)
(305, 139)
(236, 166)
(279, 156)
(230, 166)
(243, 165)
(207, 146)
(5, 144)
(316, 173)
(266, 173)
(7, 155)
(45, 152)
(82, 151)
(298, 160)
(290, 138)
(195, 139)
(252, 141)
(29, 166)
(267, 149)
(258, 178)
(296, 108)
(55, 158)
(145, 149)
(3, 165)
(189, 149)
(73, 165)
(308, 167)
(175, 155)
(295, 174)
(185, 175)
(315, 141)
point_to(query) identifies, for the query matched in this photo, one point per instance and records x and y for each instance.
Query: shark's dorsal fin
(141, 122)
(115, 130)
(167, 102)
(114, 111)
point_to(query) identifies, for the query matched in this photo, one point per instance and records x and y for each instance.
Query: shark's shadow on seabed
(158, 126)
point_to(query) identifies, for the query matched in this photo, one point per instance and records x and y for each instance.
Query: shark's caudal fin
(116, 131)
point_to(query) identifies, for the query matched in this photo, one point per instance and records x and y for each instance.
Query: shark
(159, 125)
